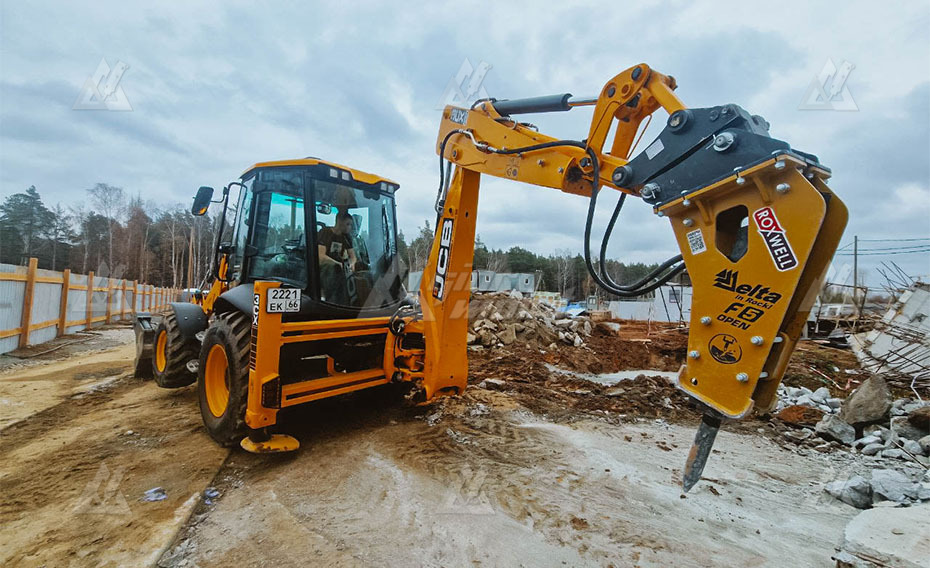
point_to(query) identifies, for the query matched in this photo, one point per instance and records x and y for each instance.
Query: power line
(884, 253)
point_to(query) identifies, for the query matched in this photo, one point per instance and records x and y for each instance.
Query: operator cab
(323, 228)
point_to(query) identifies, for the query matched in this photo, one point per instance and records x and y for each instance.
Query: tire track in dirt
(73, 474)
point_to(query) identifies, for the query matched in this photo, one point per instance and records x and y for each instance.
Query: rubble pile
(884, 485)
(497, 319)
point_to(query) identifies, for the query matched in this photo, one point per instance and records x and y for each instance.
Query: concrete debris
(868, 404)
(499, 319)
(855, 491)
(925, 445)
(832, 427)
(492, 384)
(901, 426)
(892, 485)
(802, 396)
(872, 449)
(886, 537)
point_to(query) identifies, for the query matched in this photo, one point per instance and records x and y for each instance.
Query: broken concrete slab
(891, 485)
(868, 404)
(887, 537)
(833, 428)
(855, 491)
(901, 426)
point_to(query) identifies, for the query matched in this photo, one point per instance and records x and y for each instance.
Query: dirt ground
(540, 468)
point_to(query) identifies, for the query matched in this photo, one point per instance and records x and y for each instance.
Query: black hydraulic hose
(603, 256)
(629, 291)
(589, 222)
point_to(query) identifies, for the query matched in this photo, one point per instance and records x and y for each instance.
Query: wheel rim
(161, 356)
(214, 380)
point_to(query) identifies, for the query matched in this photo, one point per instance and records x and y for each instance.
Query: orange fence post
(109, 299)
(135, 292)
(122, 301)
(27, 301)
(90, 298)
(63, 306)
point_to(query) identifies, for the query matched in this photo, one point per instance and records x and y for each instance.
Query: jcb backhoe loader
(286, 322)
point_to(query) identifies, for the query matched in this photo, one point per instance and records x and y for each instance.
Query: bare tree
(58, 230)
(563, 269)
(110, 201)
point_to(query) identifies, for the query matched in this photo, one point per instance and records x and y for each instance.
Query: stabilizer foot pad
(278, 443)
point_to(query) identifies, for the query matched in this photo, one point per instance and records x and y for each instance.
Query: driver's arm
(352, 258)
(324, 258)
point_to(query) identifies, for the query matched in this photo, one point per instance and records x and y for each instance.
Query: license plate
(282, 300)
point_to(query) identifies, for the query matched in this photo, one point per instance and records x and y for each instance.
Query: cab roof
(357, 175)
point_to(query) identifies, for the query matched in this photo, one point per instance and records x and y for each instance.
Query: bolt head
(705, 320)
(740, 181)
(694, 381)
(723, 141)
(687, 222)
(782, 188)
(539, 162)
(695, 354)
(756, 340)
(742, 377)
(649, 190)
(686, 202)
(779, 164)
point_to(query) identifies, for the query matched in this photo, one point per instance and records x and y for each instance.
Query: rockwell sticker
(751, 301)
(775, 239)
(724, 348)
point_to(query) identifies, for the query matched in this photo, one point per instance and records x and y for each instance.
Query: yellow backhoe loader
(307, 301)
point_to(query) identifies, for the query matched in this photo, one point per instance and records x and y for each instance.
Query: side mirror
(202, 201)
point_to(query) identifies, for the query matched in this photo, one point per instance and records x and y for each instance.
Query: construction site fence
(39, 305)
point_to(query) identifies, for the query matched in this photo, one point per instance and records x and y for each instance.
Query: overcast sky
(216, 87)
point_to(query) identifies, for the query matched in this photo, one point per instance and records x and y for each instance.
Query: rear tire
(223, 377)
(171, 353)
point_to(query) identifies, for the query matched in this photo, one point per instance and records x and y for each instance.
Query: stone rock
(834, 402)
(798, 436)
(492, 384)
(925, 444)
(487, 337)
(615, 391)
(578, 341)
(563, 323)
(508, 335)
(893, 453)
(855, 491)
(798, 415)
(471, 338)
(886, 537)
(805, 400)
(832, 427)
(872, 449)
(913, 447)
(496, 317)
(610, 327)
(516, 294)
(821, 395)
(901, 425)
(867, 404)
(586, 328)
(891, 485)
(867, 440)
(920, 418)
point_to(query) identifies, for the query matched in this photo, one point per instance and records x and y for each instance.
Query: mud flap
(145, 341)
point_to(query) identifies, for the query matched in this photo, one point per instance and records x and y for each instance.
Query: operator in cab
(337, 257)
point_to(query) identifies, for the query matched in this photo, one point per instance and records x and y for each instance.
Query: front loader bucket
(757, 246)
(145, 340)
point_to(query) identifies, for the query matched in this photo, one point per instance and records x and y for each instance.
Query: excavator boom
(754, 219)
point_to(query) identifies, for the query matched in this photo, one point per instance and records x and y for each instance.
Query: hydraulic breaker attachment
(757, 245)
(145, 340)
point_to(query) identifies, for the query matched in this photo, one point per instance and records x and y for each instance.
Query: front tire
(171, 353)
(223, 377)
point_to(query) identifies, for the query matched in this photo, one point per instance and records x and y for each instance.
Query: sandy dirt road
(488, 479)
